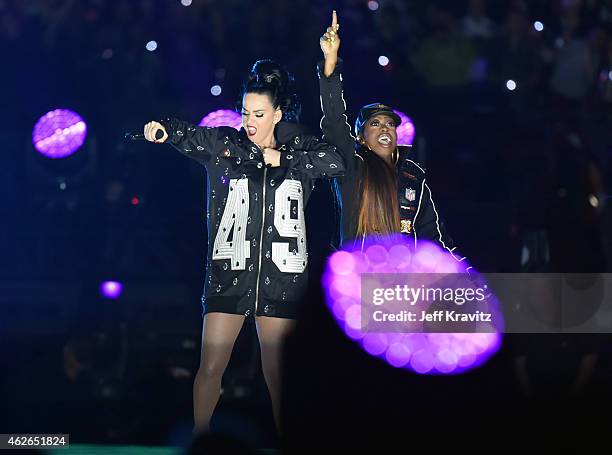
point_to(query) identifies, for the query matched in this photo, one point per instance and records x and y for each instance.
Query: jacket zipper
(263, 218)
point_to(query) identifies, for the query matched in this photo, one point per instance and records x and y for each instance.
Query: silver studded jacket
(257, 254)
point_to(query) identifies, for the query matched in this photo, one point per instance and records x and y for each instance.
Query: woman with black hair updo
(259, 181)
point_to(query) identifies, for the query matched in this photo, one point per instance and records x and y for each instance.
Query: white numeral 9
(287, 226)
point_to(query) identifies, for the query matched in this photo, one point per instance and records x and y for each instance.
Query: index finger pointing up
(334, 20)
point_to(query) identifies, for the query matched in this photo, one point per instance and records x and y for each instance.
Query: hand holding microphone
(153, 132)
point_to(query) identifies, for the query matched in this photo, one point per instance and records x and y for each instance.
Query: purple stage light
(376, 343)
(342, 263)
(422, 361)
(423, 353)
(59, 133)
(111, 289)
(398, 354)
(222, 117)
(405, 132)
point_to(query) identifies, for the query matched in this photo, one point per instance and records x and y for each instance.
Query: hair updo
(269, 78)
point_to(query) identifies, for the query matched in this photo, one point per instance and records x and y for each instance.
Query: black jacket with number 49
(257, 255)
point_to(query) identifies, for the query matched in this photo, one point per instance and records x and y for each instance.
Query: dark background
(521, 178)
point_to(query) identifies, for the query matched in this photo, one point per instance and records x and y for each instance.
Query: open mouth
(251, 130)
(384, 139)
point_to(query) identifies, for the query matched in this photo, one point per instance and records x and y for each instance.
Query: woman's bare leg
(272, 333)
(219, 333)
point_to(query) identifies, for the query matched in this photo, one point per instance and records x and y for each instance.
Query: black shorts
(231, 305)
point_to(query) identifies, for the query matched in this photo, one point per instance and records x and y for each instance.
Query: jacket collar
(284, 132)
(404, 152)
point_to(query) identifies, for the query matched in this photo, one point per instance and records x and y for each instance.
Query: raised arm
(334, 123)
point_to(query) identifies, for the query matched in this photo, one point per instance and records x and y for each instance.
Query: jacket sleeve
(429, 226)
(311, 157)
(195, 142)
(334, 123)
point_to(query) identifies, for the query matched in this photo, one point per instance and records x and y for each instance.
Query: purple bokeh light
(222, 117)
(111, 289)
(406, 131)
(422, 353)
(59, 133)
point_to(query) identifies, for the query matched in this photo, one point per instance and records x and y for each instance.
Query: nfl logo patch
(410, 194)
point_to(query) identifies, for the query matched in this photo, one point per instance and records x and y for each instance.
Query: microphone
(141, 137)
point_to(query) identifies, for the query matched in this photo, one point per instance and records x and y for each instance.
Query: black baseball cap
(369, 110)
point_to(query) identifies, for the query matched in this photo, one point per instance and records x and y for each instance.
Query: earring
(396, 151)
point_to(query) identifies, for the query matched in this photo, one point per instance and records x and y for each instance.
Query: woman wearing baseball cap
(383, 191)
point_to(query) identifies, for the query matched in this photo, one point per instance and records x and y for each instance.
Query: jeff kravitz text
(434, 316)
(460, 305)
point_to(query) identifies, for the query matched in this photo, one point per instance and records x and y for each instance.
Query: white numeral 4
(235, 216)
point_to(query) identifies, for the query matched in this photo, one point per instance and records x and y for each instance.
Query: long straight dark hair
(379, 206)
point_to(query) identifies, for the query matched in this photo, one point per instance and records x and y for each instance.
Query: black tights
(219, 333)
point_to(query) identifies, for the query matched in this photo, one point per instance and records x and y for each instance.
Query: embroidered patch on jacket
(406, 226)
(410, 194)
(409, 175)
